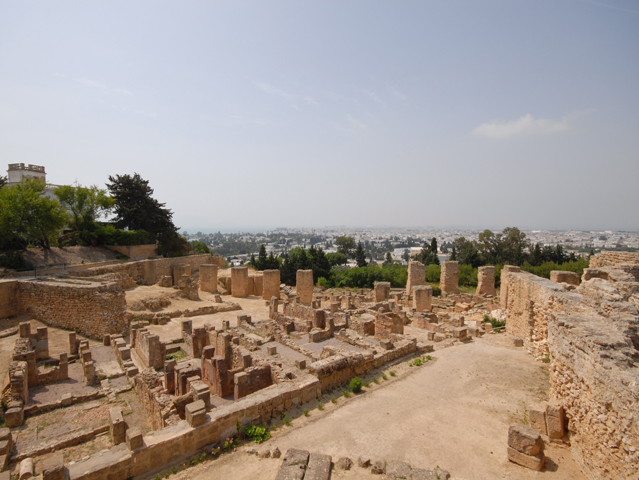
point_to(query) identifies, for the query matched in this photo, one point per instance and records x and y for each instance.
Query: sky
(266, 114)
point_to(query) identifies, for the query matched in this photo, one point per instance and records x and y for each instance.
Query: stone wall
(173, 442)
(382, 291)
(422, 298)
(93, 309)
(135, 252)
(9, 304)
(503, 291)
(591, 336)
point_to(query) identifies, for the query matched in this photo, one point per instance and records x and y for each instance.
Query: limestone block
(195, 413)
(378, 468)
(208, 278)
(382, 291)
(503, 290)
(416, 275)
(363, 462)
(270, 284)
(344, 463)
(294, 465)
(53, 467)
(14, 417)
(239, 282)
(301, 364)
(422, 298)
(537, 419)
(304, 286)
(26, 469)
(117, 425)
(271, 350)
(555, 420)
(517, 342)
(319, 467)
(460, 333)
(560, 276)
(524, 439)
(534, 462)
(449, 278)
(396, 470)
(134, 439)
(486, 281)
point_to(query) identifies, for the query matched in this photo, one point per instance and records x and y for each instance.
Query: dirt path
(453, 412)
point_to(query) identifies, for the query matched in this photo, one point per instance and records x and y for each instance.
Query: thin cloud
(397, 93)
(97, 85)
(352, 127)
(355, 123)
(271, 90)
(373, 96)
(310, 101)
(526, 125)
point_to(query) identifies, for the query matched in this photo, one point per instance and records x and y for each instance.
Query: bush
(356, 385)
(433, 273)
(109, 235)
(545, 268)
(15, 261)
(257, 433)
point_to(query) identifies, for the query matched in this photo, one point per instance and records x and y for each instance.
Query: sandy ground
(453, 412)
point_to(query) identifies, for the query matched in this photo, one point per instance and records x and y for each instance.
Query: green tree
(360, 256)
(428, 254)
(319, 263)
(406, 255)
(86, 205)
(389, 259)
(199, 247)
(136, 209)
(336, 259)
(345, 245)
(28, 216)
(287, 271)
(3, 181)
(453, 254)
(466, 252)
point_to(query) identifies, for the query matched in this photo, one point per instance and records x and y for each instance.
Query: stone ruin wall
(208, 278)
(9, 305)
(304, 286)
(239, 282)
(183, 439)
(591, 335)
(148, 272)
(486, 281)
(94, 310)
(449, 279)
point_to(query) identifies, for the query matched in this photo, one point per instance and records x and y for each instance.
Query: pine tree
(360, 255)
(453, 254)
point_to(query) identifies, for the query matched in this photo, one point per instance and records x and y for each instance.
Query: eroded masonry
(160, 332)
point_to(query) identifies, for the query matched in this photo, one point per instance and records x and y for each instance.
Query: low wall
(171, 443)
(93, 309)
(9, 305)
(135, 252)
(591, 336)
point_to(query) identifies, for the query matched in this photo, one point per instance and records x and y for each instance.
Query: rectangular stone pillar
(239, 282)
(422, 298)
(304, 286)
(179, 270)
(449, 280)
(416, 275)
(208, 278)
(270, 284)
(382, 291)
(486, 281)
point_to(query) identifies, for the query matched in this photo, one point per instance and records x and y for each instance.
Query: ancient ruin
(200, 351)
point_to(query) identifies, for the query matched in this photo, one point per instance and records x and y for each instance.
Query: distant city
(237, 247)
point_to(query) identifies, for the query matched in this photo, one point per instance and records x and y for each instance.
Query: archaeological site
(183, 368)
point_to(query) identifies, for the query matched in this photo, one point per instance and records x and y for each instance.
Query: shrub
(320, 406)
(287, 421)
(356, 385)
(306, 412)
(333, 399)
(258, 433)
(15, 261)
(392, 373)
(417, 362)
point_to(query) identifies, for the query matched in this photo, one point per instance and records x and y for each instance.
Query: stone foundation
(304, 286)
(449, 279)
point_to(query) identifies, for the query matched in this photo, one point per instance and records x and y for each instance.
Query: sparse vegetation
(356, 385)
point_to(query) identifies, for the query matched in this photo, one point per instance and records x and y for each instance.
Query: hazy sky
(313, 113)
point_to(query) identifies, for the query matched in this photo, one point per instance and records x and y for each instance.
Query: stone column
(270, 284)
(382, 291)
(416, 275)
(239, 282)
(449, 281)
(503, 290)
(486, 281)
(422, 298)
(304, 286)
(208, 278)
(179, 270)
